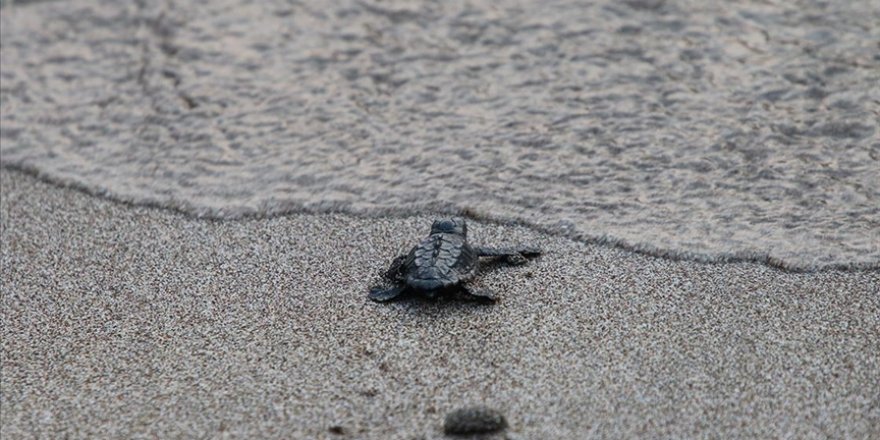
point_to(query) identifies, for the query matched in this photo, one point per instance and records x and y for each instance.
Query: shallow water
(677, 128)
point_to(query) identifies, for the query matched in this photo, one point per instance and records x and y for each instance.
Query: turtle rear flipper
(379, 294)
(479, 296)
(397, 268)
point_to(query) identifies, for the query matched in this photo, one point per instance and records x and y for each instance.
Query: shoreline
(604, 240)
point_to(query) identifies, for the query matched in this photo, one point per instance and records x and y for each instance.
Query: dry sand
(131, 322)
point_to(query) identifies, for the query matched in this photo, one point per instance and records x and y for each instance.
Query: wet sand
(130, 322)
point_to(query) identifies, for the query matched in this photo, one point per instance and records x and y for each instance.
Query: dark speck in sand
(473, 420)
(338, 430)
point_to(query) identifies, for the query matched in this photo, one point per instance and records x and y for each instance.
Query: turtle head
(454, 225)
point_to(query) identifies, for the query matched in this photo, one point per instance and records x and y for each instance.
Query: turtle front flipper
(511, 255)
(480, 296)
(379, 294)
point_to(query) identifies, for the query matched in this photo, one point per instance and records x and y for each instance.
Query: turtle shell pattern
(439, 261)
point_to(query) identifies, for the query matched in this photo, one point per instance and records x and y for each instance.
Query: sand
(133, 322)
(315, 133)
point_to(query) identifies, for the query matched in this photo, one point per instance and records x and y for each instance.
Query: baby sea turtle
(441, 263)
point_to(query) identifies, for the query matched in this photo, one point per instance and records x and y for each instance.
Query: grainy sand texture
(197, 195)
(131, 322)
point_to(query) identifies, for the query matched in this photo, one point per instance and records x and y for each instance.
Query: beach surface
(197, 196)
(131, 322)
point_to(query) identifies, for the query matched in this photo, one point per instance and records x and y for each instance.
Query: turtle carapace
(442, 263)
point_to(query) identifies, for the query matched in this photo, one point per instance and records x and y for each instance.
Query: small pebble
(473, 420)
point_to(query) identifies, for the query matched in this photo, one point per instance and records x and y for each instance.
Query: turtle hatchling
(442, 263)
